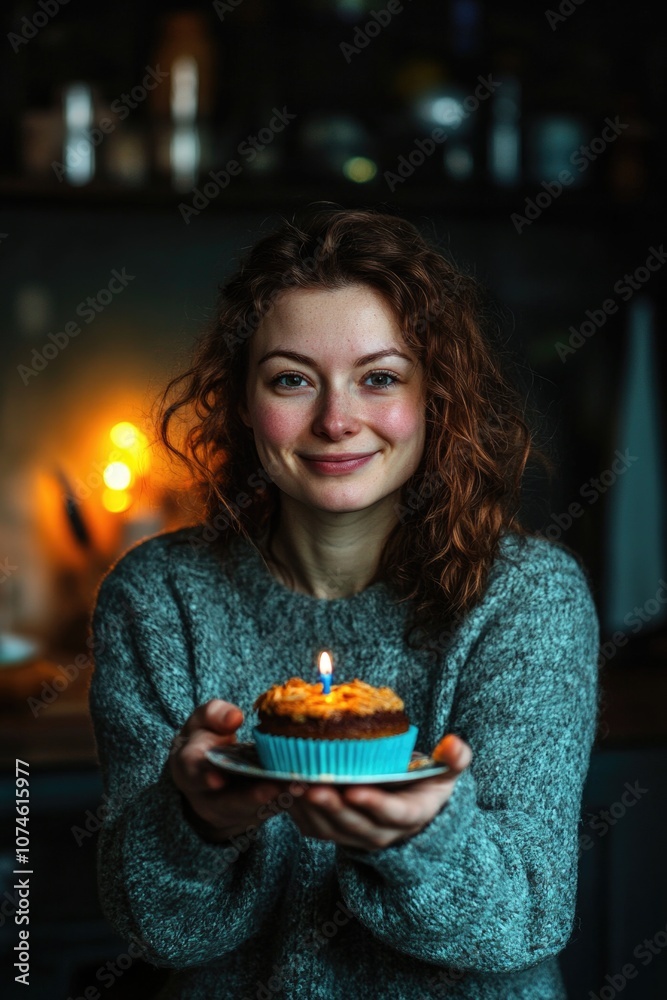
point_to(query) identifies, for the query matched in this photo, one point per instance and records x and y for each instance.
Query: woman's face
(332, 400)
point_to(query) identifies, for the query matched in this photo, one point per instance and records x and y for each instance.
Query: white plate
(241, 758)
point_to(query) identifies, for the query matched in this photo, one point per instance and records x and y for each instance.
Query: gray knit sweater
(476, 905)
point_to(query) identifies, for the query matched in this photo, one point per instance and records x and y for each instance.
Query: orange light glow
(125, 435)
(117, 476)
(116, 501)
(134, 443)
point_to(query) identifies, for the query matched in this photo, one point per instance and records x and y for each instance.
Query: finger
(216, 715)
(242, 801)
(454, 752)
(332, 806)
(248, 795)
(320, 823)
(209, 726)
(315, 822)
(295, 788)
(194, 775)
(191, 766)
(415, 805)
(214, 779)
(395, 809)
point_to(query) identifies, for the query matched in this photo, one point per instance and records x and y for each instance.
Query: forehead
(343, 315)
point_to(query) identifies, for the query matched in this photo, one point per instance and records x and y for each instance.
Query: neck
(329, 554)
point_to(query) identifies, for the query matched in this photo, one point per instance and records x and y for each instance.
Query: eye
(277, 379)
(379, 374)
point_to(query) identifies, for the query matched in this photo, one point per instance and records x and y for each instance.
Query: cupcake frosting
(296, 699)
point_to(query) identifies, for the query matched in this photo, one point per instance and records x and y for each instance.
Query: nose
(336, 414)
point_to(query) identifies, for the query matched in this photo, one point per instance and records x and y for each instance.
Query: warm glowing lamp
(116, 501)
(134, 443)
(117, 475)
(125, 435)
(126, 466)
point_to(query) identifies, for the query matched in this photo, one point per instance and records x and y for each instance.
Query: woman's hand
(218, 806)
(367, 817)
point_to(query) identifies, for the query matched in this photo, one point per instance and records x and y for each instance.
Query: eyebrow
(367, 359)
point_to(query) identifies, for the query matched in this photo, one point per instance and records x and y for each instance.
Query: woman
(361, 457)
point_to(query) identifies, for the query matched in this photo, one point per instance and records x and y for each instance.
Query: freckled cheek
(277, 425)
(402, 423)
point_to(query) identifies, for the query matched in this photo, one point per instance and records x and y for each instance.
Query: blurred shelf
(42, 725)
(582, 207)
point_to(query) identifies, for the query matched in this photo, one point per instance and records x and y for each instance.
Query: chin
(346, 504)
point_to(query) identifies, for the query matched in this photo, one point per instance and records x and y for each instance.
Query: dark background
(359, 114)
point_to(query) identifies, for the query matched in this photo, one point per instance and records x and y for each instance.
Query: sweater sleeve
(489, 885)
(186, 900)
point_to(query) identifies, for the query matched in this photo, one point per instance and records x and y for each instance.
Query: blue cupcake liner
(315, 758)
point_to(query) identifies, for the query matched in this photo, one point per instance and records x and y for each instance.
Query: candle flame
(324, 664)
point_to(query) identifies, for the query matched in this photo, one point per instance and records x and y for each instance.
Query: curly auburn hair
(466, 490)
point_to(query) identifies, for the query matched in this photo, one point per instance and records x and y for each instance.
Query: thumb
(222, 716)
(453, 751)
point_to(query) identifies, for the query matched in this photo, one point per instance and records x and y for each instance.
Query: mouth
(343, 457)
(337, 463)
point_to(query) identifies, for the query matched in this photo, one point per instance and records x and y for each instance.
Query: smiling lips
(338, 463)
(345, 457)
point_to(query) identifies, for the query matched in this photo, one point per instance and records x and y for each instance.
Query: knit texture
(477, 905)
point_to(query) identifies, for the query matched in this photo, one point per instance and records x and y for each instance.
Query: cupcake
(354, 730)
